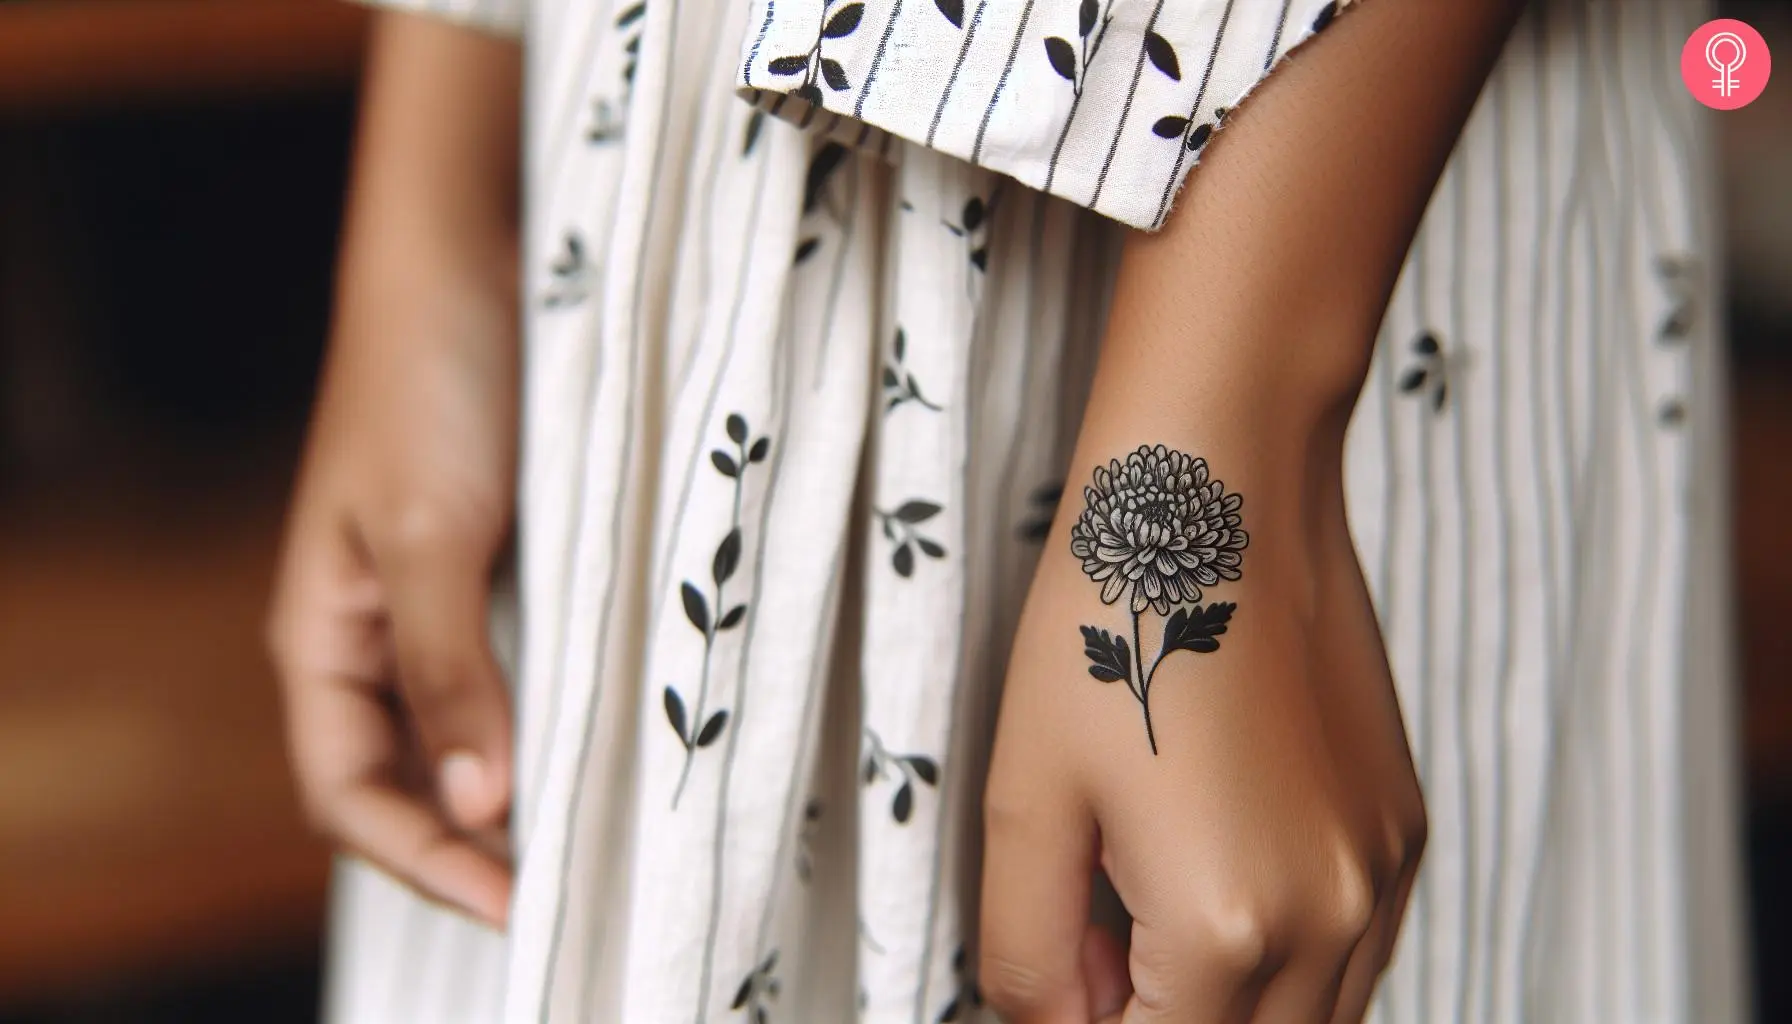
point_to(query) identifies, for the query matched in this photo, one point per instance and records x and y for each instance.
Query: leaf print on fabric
(1071, 61)
(818, 193)
(966, 997)
(805, 838)
(906, 770)
(698, 728)
(1157, 529)
(1430, 373)
(570, 273)
(900, 385)
(837, 22)
(899, 528)
(1325, 16)
(953, 10)
(1042, 505)
(757, 990)
(973, 226)
(1678, 273)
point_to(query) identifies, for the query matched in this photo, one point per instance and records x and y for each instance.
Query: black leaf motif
(1047, 495)
(1063, 58)
(903, 806)
(930, 548)
(675, 715)
(737, 428)
(806, 248)
(973, 213)
(835, 74)
(1426, 344)
(741, 994)
(754, 124)
(631, 15)
(891, 379)
(1413, 379)
(732, 619)
(925, 768)
(980, 259)
(724, 463)
(1199, 137)
(903, 560)
(712, 729)
(760, 449)
(1325, 16)
(1085, 17)
(809, 93)
(760, 1016)
(950, 1013)
(1163, 56)
(900, 346)
(913, 512)
(1441, 396)
(844, 21)
(1197, 629)
(1110, 657)
(1170, 127)
(953, 10)
(827, 160)
(727, 557)
(795, 64)
(695, 607)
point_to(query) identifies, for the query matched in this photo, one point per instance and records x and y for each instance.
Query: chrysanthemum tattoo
(1156, 529)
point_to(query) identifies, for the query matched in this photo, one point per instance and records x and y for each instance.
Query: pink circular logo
(1725, 64)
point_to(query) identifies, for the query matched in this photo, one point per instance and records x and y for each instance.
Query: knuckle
(1353, 900)
(1238, 936)
(421, 527)
(1010, 987)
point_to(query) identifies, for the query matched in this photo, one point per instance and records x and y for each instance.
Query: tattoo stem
(1138, 660)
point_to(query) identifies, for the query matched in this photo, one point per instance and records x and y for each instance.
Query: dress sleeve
(499, 17)
(1105, 103)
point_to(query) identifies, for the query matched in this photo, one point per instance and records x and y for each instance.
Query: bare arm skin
(1264, 833)
(397, 716)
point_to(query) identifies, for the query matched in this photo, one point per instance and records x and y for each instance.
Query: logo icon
(1725, 64)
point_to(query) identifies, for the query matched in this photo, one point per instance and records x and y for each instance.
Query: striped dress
(813, 288)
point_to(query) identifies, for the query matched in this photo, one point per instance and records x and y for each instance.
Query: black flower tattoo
(697, 730)
(1155, 530)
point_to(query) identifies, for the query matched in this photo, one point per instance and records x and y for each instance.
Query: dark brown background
(170, 172)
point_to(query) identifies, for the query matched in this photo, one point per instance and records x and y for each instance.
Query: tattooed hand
(1261, 823)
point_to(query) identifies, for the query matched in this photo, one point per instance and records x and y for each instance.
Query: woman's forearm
(1243, 330)
(433, 205)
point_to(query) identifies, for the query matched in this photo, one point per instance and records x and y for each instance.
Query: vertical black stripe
(1467, 547)
(765, 26)
(1020, 33)
(1426, 679)
(1275, 41)
(1132, 91)
(1213, 55)
(964, 48)
(877, 61)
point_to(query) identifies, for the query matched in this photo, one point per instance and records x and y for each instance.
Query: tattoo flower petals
(1159, 525)
(1157, 529)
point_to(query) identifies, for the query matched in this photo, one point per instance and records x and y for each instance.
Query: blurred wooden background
(146, 820)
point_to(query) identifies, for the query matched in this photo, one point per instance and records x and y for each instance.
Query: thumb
(1039, 862)
(438, 597)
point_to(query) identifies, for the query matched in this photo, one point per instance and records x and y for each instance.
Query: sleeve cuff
(1105, 103)
(498, 17)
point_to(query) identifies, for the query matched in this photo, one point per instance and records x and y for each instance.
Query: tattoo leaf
(1170, 127)
(925, 768)
(1085, 17)
(675, 715)
(795, 64)
(712, 729)
(904, 804)
(1110, 657)
(953, 10)
(732, 619)
(1062, 57)
(1163, 56)
(913, 512)
(724, 463)
(727, 557)
(1197, 629)
(695, 607)
(844, 21)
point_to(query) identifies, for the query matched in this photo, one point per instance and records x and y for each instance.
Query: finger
(1371, 957)
(1306, 990)
(438, 588)
(1104, 972)
(1038, 867)
(344, 758)
(1204, 970)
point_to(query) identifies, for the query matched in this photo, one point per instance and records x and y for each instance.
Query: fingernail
(465, 792)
